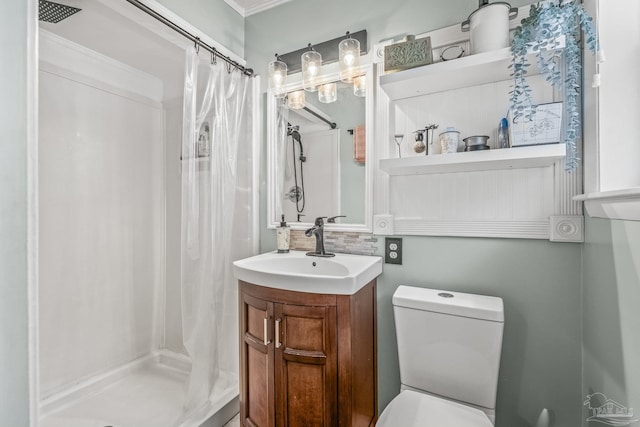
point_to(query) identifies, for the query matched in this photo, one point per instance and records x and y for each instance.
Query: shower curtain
(216, 214)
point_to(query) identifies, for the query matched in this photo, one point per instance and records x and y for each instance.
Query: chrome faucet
(318, 231)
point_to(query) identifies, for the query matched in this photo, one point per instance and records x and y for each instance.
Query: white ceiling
(249, 7)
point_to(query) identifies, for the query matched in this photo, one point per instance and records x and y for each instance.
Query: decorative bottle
(283, 233)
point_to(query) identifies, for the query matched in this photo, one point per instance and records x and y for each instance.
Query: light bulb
(349, 56)
(277, 74)
(311, 69)
(296, 100)
(360, 86)
(348, 59)
(328, 93)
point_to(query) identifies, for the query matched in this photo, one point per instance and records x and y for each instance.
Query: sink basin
(343, 274)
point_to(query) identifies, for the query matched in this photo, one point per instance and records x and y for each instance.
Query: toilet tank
(449, 343)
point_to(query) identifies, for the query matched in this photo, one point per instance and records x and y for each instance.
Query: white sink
(294, 271)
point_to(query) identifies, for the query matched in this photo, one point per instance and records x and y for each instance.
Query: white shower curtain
(218, 219)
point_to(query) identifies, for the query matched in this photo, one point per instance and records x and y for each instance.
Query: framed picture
(544, 127)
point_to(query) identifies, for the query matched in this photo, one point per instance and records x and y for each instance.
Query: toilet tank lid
(448, 302)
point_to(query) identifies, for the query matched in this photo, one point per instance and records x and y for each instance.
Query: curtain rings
(214, 57)
(196, 44)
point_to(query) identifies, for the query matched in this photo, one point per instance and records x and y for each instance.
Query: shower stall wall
(101, 215)
(110, 311)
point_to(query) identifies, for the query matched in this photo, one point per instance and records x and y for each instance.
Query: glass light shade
(311, 67)
(277, 73)
(296, 100)
(328, 93)
(360, 86)
(349, 51)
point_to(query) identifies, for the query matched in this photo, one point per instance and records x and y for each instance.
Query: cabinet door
(305, 366)
(256, 356)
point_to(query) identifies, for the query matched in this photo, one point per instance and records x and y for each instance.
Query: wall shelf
(518, 157)
(615, 204)
(487, 67)
(537, 189)
(472, 70)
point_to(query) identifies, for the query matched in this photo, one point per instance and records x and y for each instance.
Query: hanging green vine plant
(552, 32)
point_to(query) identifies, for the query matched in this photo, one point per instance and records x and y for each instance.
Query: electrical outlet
(393, 250)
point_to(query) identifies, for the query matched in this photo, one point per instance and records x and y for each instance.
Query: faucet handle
(332, 220)
(319, 221)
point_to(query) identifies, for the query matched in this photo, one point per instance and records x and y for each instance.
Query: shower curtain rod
(185, 33)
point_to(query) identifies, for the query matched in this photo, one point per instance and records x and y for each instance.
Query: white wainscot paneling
(474, 203)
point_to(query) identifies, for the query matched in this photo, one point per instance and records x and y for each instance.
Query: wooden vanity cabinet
(307, 360)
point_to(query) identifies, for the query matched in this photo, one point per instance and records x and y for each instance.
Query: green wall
(14, 355)
(215, 17)
(611, 311)
(538, 280)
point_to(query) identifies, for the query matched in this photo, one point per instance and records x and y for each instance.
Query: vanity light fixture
(311, 69)
(277, 75)
(296, 100)
(329, 50)
(328, 93)
(349, 57)
(310, 60)
(360, 86)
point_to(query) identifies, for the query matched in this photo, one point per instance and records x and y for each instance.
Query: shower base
(149, 392)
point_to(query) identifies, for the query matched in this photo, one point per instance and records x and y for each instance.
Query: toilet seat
(413, 409)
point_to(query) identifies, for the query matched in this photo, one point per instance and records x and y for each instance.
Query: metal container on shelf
(488, 26)
(450, 141)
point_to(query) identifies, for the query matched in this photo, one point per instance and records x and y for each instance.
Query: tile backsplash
(345, 242)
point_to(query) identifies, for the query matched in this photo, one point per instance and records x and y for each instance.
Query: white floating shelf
(508, 158)
(472, 70)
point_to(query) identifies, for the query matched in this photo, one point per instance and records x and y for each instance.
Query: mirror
(313, 166)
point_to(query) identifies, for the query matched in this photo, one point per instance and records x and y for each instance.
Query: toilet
(449, 346)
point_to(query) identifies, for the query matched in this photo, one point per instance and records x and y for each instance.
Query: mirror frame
(273, 218)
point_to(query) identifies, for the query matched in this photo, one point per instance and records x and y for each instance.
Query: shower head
(295, 135)
(293, 132)
(55, 12)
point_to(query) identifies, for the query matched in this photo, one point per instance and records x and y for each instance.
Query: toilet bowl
(413, 409)
(449, 346)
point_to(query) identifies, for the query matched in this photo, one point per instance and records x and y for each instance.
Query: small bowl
(477, 148)
(476, 140)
